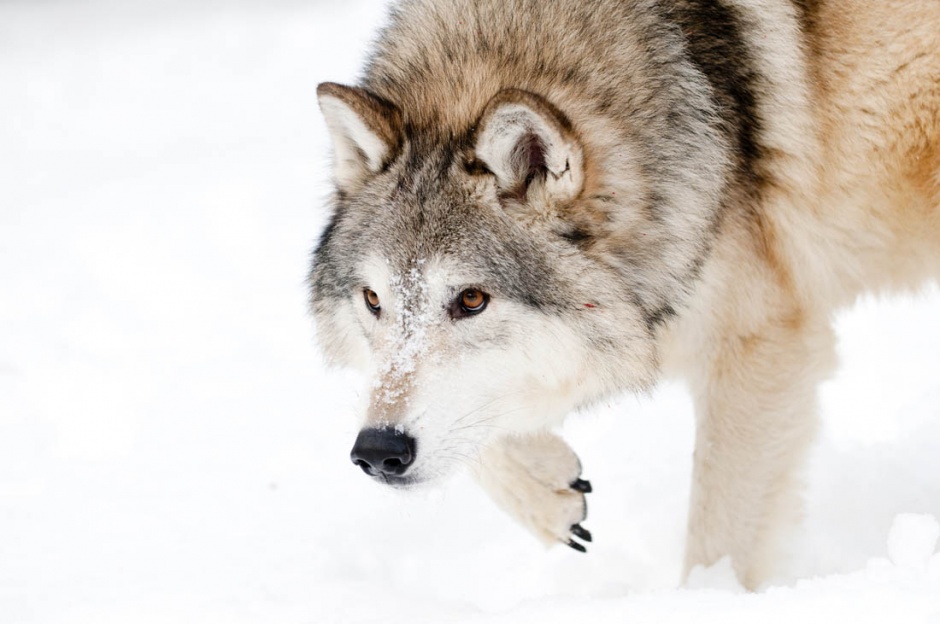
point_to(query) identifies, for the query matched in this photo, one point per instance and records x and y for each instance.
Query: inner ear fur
(524, 140)
(366, 131)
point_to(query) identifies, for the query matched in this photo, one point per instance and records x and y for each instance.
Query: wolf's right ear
(366, 132)
(526, 142)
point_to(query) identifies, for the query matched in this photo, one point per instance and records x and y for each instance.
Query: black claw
(577, 546)
(580, 485)
(580, 531)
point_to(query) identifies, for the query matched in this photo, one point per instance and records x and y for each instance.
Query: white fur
(529, 476)
(449, 384)
(357, 150)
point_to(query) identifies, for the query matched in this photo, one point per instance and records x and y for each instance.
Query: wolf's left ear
(524, 140)
(366, 132)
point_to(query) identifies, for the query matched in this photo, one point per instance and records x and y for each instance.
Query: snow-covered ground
(172, 449)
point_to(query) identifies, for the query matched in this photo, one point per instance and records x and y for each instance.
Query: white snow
(172, 450)
(913, 540)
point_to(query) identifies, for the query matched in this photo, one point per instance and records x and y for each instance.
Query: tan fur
(875, 197)
(865, 215)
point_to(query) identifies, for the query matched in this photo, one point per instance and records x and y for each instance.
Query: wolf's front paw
(537, 480)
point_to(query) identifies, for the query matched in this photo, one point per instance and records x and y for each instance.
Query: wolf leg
(755, 407)
(536, 479)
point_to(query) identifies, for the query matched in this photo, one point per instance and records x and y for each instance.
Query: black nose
(383, 452)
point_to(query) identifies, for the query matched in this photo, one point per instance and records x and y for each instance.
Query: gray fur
(644, 238)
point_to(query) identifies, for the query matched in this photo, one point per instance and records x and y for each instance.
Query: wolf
(539, 205)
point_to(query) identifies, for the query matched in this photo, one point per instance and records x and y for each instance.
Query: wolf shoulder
(874, 70)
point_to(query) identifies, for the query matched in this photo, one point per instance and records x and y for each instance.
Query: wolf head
(461, 273)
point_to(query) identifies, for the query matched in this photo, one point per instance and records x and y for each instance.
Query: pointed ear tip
(534, 103)
(330, 89)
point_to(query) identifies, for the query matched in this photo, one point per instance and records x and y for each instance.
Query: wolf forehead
(426, 207)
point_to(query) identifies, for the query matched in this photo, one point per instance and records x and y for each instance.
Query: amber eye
(372, 301)
(472, 300)
(469, 302)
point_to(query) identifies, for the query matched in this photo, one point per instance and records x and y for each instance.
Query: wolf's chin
(422, 480)
(400, 483)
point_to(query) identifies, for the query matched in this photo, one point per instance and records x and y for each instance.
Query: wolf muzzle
(383, 453)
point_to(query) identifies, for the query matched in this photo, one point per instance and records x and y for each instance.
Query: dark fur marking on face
(327, 232)
(326, 282)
